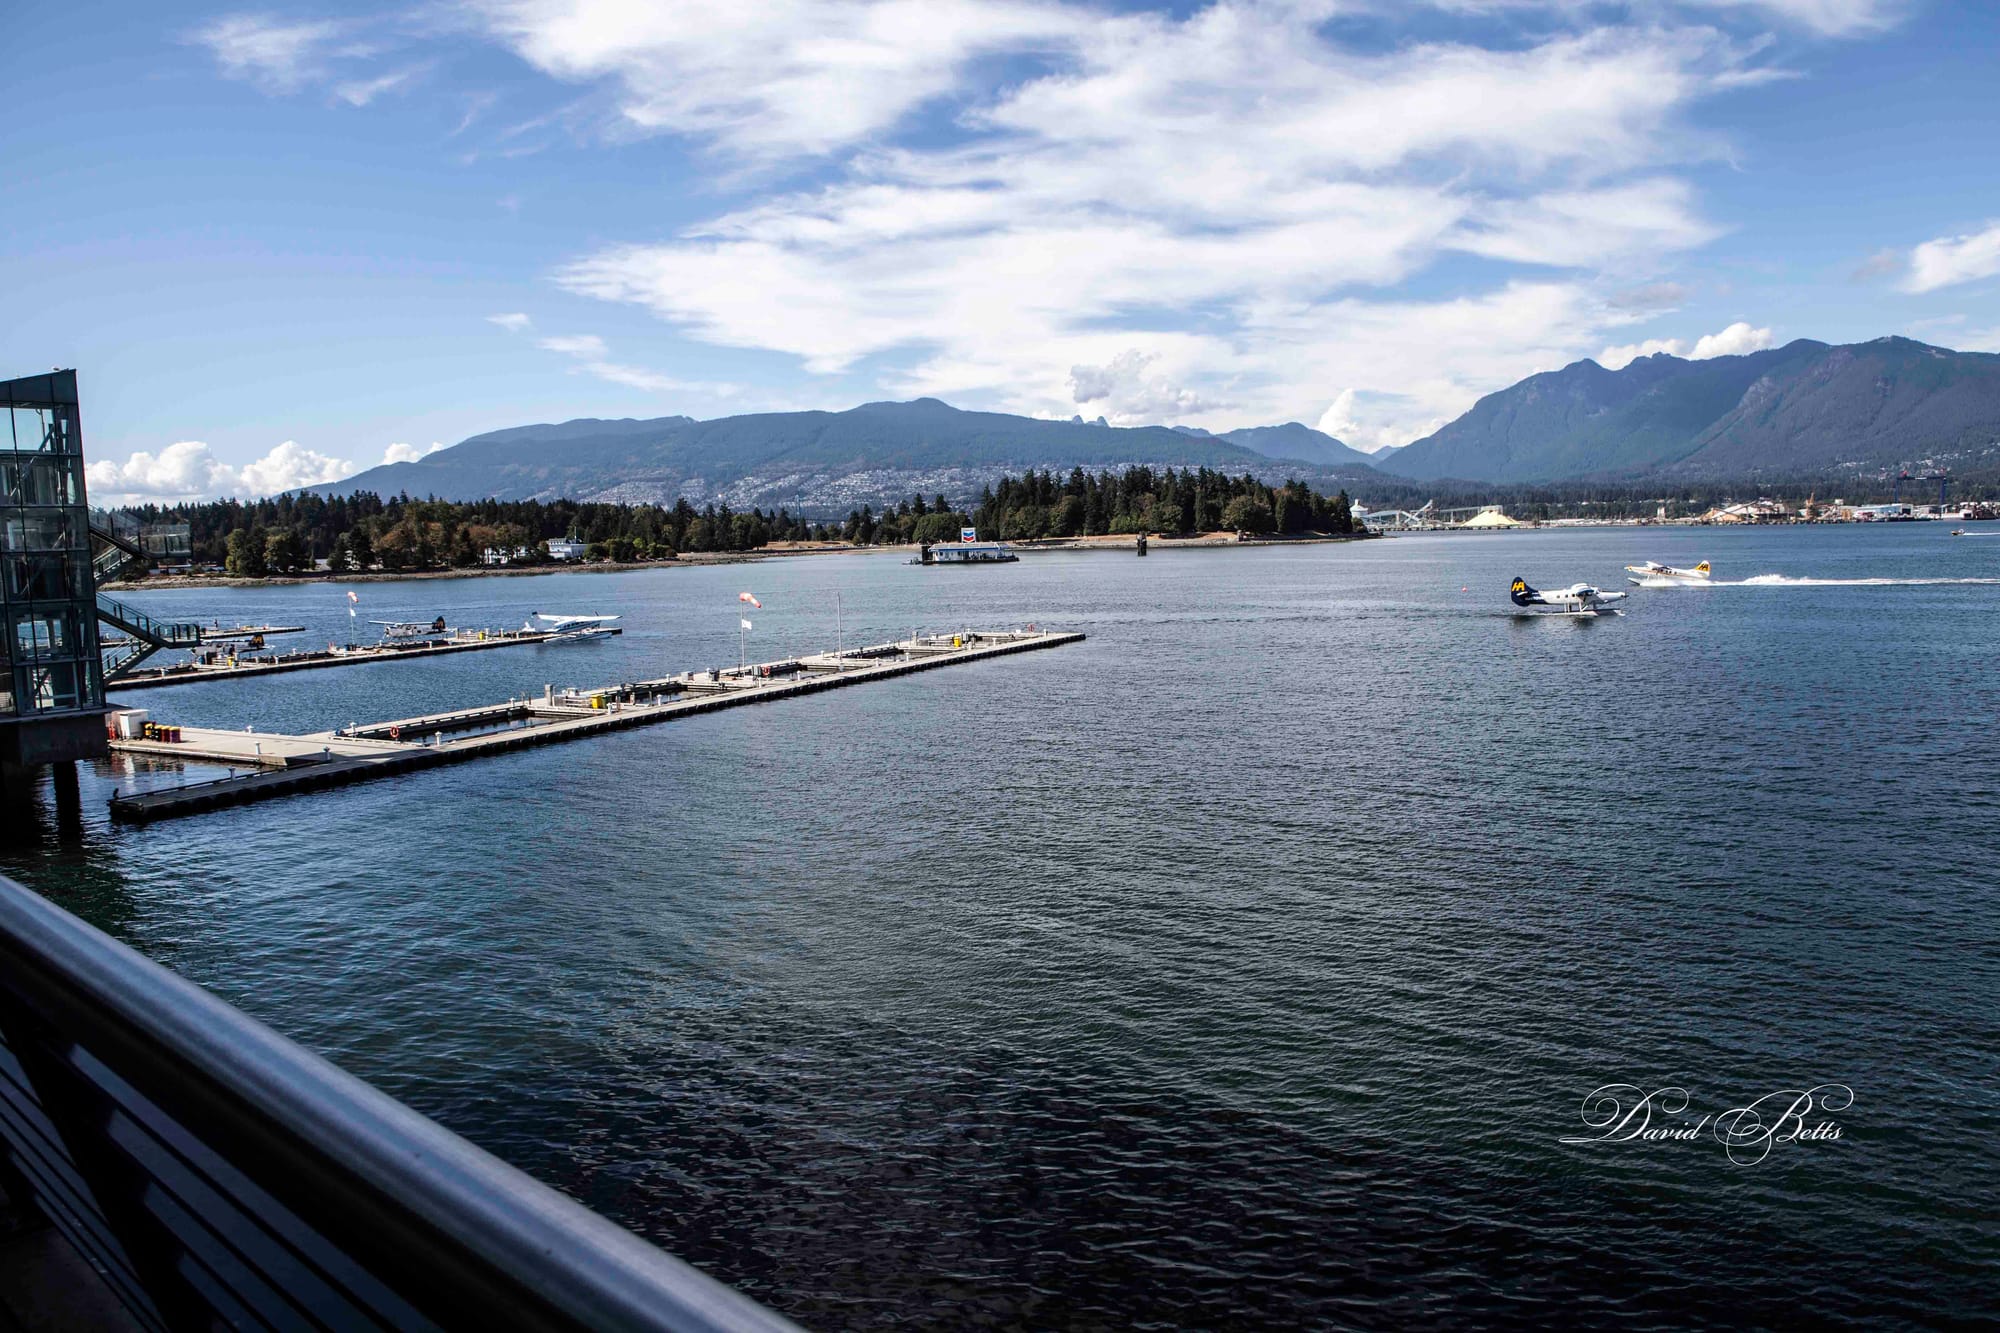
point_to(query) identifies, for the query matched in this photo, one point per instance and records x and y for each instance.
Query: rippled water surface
(1241, 966)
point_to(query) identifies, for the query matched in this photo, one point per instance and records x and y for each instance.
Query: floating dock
(284, 765)
(238, 667)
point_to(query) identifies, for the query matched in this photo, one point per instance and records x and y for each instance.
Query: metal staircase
(114, 556)
(116, 545)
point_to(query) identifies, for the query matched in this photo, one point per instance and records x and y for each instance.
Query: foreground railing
(216, 1174)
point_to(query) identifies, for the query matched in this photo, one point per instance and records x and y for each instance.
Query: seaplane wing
(560, 623)
(1579, 599)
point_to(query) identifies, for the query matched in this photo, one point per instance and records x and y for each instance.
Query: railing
(118, 544)
(147, 629)
(116, 523)
(109, 562)
(115, 555)
(121, 660)
(218, 1175)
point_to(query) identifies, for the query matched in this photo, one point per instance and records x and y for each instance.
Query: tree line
(1166, 501)
(1043, 504)
(288, 534)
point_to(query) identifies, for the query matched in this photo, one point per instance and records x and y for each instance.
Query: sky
(287, 243)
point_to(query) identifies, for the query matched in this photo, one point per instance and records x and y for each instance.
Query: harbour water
(1242, 966)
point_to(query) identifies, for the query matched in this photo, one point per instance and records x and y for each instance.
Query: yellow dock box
(597, 701)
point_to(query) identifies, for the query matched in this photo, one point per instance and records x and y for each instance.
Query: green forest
(290, 534)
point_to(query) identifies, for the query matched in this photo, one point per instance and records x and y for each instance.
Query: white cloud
(594, 355)
(1125, 393)
(282, 56)
(360, 92)
(290, 466)
(1357, 427)
(514, 322)
(1950, 260)
(777, 77)
(188, 470)
(1831, 18)
(1738, 339)
(638, 377)
(183, 469)
(1151, 188)
(408, 453)
(1425, 361)
(1834, 18)
(1588, 228)
(277, 55)
(580, 344)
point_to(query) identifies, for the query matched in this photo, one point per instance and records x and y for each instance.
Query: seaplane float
(1654, 572)
(570, 629)
(1579, 599)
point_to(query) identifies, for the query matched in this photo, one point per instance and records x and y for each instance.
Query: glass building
(51, 678)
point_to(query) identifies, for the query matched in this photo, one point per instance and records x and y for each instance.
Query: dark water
(1242, 966)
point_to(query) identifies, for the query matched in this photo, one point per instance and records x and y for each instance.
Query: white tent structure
(1490, 518)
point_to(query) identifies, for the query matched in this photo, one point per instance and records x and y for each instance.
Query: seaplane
(1579, 599)
(410, 629)
(1652, 569)
(570, 629)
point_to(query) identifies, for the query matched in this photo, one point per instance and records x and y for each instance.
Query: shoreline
(178, 581)
(1112, 542)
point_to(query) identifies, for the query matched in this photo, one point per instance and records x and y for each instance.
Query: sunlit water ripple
(1241, 966)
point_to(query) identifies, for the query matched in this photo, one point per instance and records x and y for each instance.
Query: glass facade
(48, 616)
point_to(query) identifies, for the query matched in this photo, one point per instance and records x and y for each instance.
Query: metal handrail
(216, 1172)
(119, 551)
(160, 633)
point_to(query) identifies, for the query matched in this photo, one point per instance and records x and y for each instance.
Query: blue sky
(286, 243)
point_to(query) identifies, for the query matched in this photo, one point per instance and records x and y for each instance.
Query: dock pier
(285, 765)
(313, 659)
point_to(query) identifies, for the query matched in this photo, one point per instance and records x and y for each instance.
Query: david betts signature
(1625, 1113)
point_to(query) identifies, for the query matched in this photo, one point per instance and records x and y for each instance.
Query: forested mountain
(1293, 440)
(818, 462)
(1799, 412)
(1803, 409)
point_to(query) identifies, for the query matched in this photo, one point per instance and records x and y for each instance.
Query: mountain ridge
(1805, 408)
(813, 461)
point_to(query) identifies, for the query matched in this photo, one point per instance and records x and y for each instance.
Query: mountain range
(1295, 441)
(819, 462)
(1804, 410)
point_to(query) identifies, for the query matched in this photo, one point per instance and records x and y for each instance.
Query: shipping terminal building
(51, 676)
(54, 552)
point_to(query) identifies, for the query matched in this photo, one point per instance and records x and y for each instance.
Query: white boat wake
(1788, 581)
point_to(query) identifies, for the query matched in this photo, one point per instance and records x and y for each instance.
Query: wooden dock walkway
(149, 678)
(384, 748)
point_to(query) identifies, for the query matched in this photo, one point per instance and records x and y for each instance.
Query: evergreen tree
(245, 559)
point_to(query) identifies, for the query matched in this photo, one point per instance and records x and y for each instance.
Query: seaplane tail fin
(1702, 569)
(1522, 594)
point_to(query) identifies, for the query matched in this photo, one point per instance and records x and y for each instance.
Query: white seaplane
(1652, 570)
(1579, 599)
(411, 629)
(571, 629)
